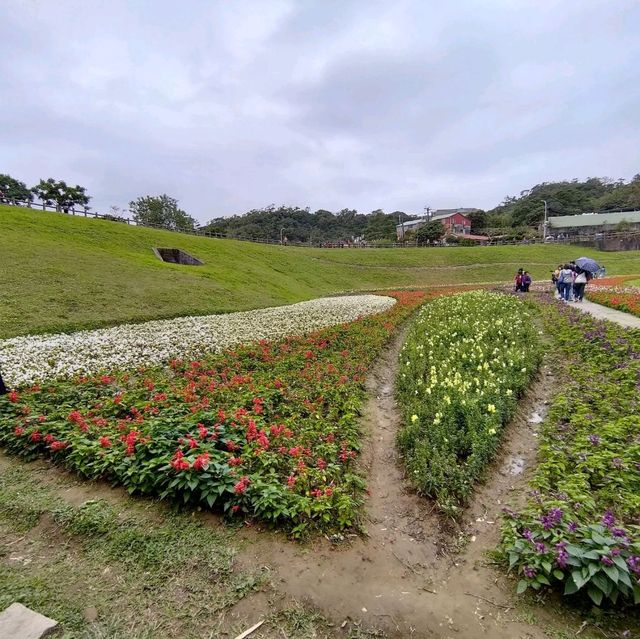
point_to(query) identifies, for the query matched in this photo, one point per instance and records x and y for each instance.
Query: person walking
(565, 282)
(579, 285)
(526, 282)
(555, 280)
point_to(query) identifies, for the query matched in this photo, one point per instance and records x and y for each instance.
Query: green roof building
(589, 223)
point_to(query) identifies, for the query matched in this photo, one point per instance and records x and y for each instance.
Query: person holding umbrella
(587, 267)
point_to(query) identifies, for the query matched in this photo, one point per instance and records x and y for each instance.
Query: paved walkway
(604, 312)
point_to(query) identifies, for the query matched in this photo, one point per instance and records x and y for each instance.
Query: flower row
(25, 360)
(267, 430)
(579, 530)
(462, 368)
(622, 299)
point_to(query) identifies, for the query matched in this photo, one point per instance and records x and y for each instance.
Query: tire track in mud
(404, 576)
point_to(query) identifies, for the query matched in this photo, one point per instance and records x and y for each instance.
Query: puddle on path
(513, 465)
(536, 418)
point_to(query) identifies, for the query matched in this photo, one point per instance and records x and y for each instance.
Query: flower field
(462, 368)
(25, 360)
(625, 299)
(267, 430)
(580, 530)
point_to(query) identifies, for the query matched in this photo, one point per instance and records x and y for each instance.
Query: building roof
(594, 219)
(410, 223)
(444, 216)
(438, 215)
(447, 212)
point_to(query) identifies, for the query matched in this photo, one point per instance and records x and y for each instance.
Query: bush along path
(579, 531)
(466, 361)
(268, 430)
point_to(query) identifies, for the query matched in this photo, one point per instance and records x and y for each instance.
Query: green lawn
(63, 273)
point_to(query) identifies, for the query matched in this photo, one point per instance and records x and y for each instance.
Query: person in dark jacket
(518, 280)
(526, 282)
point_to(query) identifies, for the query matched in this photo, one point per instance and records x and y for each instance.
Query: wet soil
(414, 574)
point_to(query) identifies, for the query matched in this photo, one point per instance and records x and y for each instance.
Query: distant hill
(565, 198)
(301, 225)
(513, 217)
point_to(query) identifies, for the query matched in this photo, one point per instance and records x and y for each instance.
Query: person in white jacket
(579, 285)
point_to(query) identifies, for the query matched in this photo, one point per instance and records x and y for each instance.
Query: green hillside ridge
(62, 273)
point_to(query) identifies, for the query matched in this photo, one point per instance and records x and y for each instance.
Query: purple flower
(527, 534)
(540, 547)
(594, 439)
(634, 564)
(562, 555)
(529, 572)
(607, 561)
(552, 518)
(616, 462)
(618, 532)
(572, 526)
(608, 519)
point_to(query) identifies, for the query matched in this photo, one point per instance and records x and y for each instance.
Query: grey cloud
(229, 106)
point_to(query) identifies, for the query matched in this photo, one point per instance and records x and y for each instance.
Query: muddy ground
(414, 574)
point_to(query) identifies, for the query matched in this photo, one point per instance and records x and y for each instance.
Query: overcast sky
(233, 105)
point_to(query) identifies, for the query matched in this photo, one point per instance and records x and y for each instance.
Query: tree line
(515, 217)
(296, 224)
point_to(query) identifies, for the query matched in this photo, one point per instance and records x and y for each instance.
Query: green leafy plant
(579, 530)
(466, 360)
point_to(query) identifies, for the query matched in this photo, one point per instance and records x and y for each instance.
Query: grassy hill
(64, 273)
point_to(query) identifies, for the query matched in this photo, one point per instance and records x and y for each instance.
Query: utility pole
(544, 224)
(401, 221)
(282, 236)
(427, 212)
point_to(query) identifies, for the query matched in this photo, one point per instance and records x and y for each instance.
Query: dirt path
(604, 312)
(405, 576)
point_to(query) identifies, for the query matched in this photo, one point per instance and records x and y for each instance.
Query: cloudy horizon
(366, 105)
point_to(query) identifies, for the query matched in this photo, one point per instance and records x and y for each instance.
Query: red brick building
(454, 221)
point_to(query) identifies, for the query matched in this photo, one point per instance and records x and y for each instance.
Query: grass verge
(65, 273)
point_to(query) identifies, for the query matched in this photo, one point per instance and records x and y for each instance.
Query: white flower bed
(25, 360)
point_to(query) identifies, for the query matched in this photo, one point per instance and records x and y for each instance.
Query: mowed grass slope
(63, 273)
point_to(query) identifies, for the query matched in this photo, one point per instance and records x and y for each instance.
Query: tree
(161, 211)
(478, 220)
(430, 232)
(13, 191)
(59, 193)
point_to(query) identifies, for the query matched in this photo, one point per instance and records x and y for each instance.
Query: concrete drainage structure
(176, 256)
